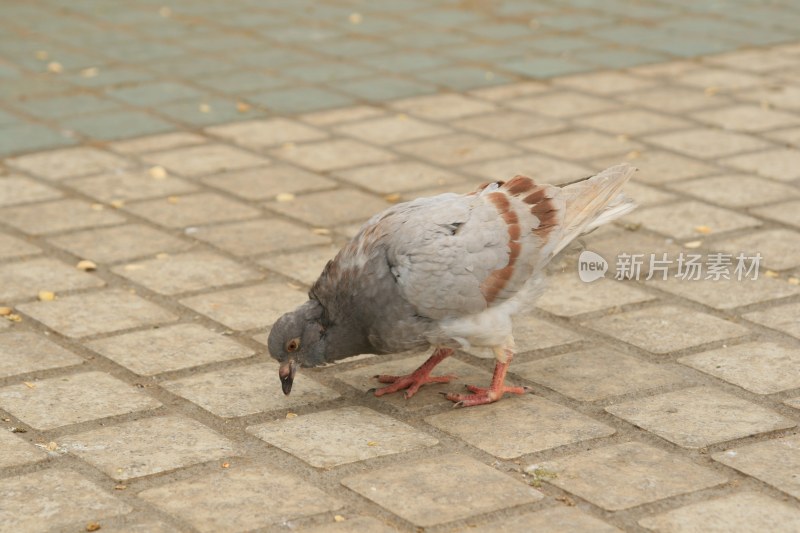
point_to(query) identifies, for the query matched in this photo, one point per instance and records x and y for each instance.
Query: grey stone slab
(553, 520)
(120, 243)
(774, 462)
(59, 215)
(23, 280)
(24, 351)
(358, 524)
(567, 295)
(18, 452)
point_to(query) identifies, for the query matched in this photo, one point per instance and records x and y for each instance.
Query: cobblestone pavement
(136, 393)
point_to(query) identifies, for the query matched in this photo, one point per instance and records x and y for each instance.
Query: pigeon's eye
(293, 345)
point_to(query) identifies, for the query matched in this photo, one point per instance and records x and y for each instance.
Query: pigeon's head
(297, 339)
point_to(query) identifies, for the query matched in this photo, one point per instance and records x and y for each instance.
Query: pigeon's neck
(345, 340)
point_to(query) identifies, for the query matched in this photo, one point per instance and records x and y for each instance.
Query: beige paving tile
(781, 164)
(120, 243)
(12, 247)
(265, 183)
(332, 155)
(719, 79)
(165, 349)
(21, 190)
(699, 417)
(353, 434)
(746, 118)
(666, 329)
(788, 136)
(596, 374)
(24, 351)
(353, 525)
(779, 248)
(630, 474)
(501, 429)
(562, 104)
(143, 526)
(632, 122)
(401, 176)
(148, 446)
(726, 293)
(752, 60)
(691, 219)
(553, 519)
(793, 402)
(774, 462)
(782, 317)
(245, 308)
(481, 489)
(205, 159)
(341, 115)
(61, 215)
(61, 401)
(259, 134)
(786, 212)
(580, 145)
(153, 143)
(507, 91)
(24, 279)
(542, 169)
(305, 266)
(744, 511)
(70, 498)
(17, 452)
(237, 501)
(456, 149)
(260, 236)
(707, 143)
(86, 314)
(69, 162)
(443, 107)
(674, 100)
(604, 83)
(331, 208)
(657, 167)
(389, 130)
(246, 390)
(133, 185)
(191, 210)
(738, 190)
(510, 125)
(780, 97)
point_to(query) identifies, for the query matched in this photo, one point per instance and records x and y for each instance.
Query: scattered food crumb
(86, 265)
(772, 274)
(284, 197)
(566, 500)
(392, 198)
(226, 465)
(242, 107)
(116, 204)
(793, 281)
(18, 430)
(355, 18)
(693, 244)
(204, 108)
(51, 446)
(705, 230)
(372, 443)
(5, 311)
(29, 384)
(321, 231)
(55, 67)
(93, 526)
(46, 296)
(120, 487)
(90, 72)
(172, 199)
(157, 172)
(291, 415)
(711, 91)
(338, 518)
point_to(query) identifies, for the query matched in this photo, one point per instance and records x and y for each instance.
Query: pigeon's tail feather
(595, 201)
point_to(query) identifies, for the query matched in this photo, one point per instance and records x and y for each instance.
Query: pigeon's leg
(495, 391)
(412, 382)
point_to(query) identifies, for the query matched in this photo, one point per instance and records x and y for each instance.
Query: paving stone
(12, 247)
(736, 190)
(511, 423)
(21, 190)
(23, 351)
(673, 100)
(237, 502)
(626, 475)
(666, 329)
(594, 374)
(148, 446)
(248, 307)
(353, 525)
(443, 107)
(569, 296)
(707, 143)
(510, 125)
(720, 79)
(699, 417)
(259, 134)
(259, 236)
(562, 104)
(350, 434)
(69, 163)
(395, 177)
(165, 349)
(632, 122)
(136, 185)
(553, 520)
(152, 143)
(305, 266)
(781, 164)
(783, 318)
(363, 379)
(580, 145)
(681, 220)
(192, 271)
(779, 248)
(659, 167)
(331, 208)
(204, 159)
(331, 155)
(727, 294)
(786, 212)
(793, 402)
(145, 526)
(97, 312)
(543, 169)
(507, 91)
(17, 452)
(109, 245)
(481, 490)
(246, 390)
(61, 401)
(24, 279)
(265, 183)
(341, 115)
(788, 136)
(456, 149)
(61, 215)
(774, 462)
(746, 118)
(387, 131)
(191, 210)
(69, 498)
(605, 83)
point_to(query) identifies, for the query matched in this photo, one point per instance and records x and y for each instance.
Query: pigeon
(447, 272)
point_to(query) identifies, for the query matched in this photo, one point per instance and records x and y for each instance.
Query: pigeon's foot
(482, 395)
(421, 376)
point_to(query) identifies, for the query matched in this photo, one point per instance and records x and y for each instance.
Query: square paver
(745, 511)
(480, 489)
(305, 266)
(246, 390)
(559, 519)
(148, 446)
(699, 417)
(532, 333)
(779, 248)
(331, 208)
(331, 155)
(61, 401)
(192, 271)
(681, 220)
(510, 125)
(259, 134)
(23, 351)
(736, 190)
(21, 190)
(191, 210)
(69, 163)
(662, 167)
(165, 349)
(580, 145)
(97, 312)
(260, 236)
(562, 104)
(780, 164)
(61, 215)
(760, 367)
(673, 100)
(18, 452)
(396, 177)
(12, 247)
(629, 474)
(443, 107)
(774, 462)
(540, 168)
(69, 498)
(519, 426)
(596, 374)
(782, 318)
(205, 159)
(120, 243)
(708, 143)
(153, 143)
(24, 279)
(786, 212)
(746, 118)
(727, 293)
(341, 115)
(353, 525)
(130, 186)
(258, 306)
(390, 130)
(567, 295)
(237, 501)
(352, 434)
(666, 329)
(265, 183)
(457, 149)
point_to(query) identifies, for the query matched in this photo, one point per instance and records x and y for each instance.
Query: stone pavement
(142, 267)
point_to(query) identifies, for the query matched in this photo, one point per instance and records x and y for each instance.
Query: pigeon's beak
(286, 373)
